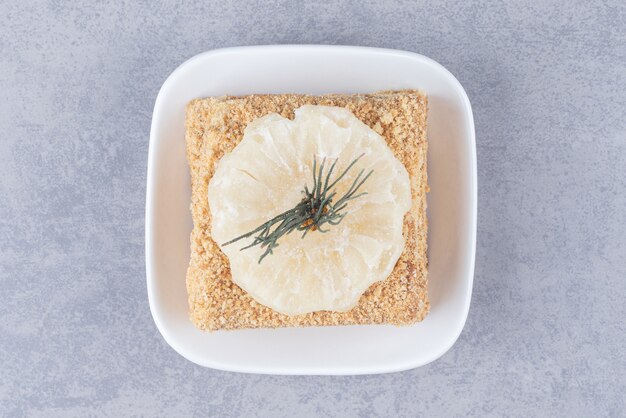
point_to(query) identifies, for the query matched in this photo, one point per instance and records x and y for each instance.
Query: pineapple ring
(265, 175)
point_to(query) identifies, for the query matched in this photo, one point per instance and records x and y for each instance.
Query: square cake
(215, 126)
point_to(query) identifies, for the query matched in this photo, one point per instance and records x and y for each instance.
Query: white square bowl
(452, 209)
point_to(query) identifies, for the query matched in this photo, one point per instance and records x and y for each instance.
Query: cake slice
(214, 126)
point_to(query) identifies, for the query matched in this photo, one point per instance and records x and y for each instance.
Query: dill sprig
(318, 208)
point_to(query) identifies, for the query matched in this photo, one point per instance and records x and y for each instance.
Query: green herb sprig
(316, 209)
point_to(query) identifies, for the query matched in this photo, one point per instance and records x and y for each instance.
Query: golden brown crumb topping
(214, 126)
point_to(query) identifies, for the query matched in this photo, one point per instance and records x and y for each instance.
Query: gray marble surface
(546, 331)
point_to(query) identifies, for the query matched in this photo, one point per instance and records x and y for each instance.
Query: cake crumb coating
(214, 126)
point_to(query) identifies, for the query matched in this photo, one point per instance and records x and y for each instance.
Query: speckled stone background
(546, 332)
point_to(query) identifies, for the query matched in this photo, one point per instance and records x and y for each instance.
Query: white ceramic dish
(452, 209)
